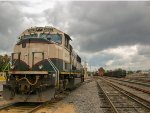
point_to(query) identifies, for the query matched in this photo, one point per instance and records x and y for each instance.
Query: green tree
(4, 60)
(130, 72)
(138, 71)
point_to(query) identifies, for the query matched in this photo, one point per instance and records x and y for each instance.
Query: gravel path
(85, 98)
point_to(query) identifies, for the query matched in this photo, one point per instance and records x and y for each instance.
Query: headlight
(54, 75)
(40, 66)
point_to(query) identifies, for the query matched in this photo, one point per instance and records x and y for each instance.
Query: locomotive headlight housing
(54, 75)
(40, 66)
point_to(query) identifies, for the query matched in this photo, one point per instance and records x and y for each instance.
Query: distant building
(101, 71)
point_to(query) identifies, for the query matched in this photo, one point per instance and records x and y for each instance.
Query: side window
(29, 36)
(66, 67)
(67, 39)
(66, 42)
(23, 45)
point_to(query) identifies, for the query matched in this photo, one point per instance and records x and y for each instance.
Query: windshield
(29, 36)
(52, 37)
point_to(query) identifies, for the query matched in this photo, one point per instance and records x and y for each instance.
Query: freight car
(43, 63)
(116, 73)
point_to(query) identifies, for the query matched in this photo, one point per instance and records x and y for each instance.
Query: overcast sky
(107, 34)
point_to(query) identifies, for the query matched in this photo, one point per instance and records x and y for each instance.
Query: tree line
(4, 60)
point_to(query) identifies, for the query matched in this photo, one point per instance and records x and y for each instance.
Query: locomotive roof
(46, 29)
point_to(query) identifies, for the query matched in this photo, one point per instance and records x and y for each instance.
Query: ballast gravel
(85, 98)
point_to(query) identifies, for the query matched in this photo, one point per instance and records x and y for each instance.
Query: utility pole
(90, 70)
(85, 70)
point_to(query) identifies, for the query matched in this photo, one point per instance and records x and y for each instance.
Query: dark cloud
(10, 21)
(144, 50)
(94, 26)
(102, 25)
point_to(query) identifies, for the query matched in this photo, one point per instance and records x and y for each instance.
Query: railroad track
(21, 107)
(133, 81)
(136, 94)
(119, 100)
(28, 107)
(133, 85)
(140, 79)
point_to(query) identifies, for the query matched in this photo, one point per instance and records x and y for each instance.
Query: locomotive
(43, 63)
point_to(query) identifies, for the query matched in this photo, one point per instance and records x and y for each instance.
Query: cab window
(57, 38)
(42, 35)
(66, 42)
(29, 36)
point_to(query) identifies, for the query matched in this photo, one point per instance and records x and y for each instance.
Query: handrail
(10, 62)
(56, 70)
(6, 66)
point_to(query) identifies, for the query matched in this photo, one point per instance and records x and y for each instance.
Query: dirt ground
(3, 102)
(61, 108)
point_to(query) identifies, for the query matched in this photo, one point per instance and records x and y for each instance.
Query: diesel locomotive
(43, 63)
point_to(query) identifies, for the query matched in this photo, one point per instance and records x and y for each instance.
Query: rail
(139, 83)
(21, 107)
(119, 100)
(130, 95)
(131, 86)
(29, 107)
(6, 106)
(7, 66)
(56, 71)
(108, 99)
